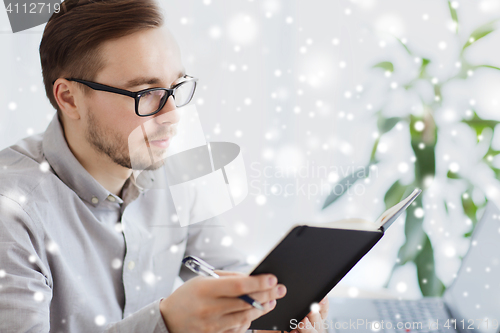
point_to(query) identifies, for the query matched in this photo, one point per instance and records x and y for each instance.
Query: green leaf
(430, 285)
(386, 65)
(437, 90)
(489, 155)
(405, 47)
(423, 68)
(453, 175)
(394, 194)
(468, 234)
(479, 124)
(479, 33)
(340, 188)
(496, 171)
(470, 208)
(487, 66)
(414, 233)
(454, 15)
(425, 164)
(386, 124)
(373, 159)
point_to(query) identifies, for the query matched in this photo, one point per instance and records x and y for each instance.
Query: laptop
(470, 305)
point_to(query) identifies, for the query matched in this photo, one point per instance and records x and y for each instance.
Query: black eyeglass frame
(137, 95)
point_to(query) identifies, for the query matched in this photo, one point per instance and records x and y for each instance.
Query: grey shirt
(76, 258)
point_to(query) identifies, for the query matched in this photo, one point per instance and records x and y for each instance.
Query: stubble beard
(112, 145)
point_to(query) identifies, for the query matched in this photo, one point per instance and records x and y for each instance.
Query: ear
(67, 97)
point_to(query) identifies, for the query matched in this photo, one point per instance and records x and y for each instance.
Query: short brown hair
(71, 41)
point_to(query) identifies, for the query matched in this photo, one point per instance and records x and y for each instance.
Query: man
(83, 246)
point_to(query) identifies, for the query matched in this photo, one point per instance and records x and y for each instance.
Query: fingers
(316, 321)
(323, 308)
(312, 323)
(235, 285)
(279, 291)
(227, 305)
(245, 318)
(228, 273)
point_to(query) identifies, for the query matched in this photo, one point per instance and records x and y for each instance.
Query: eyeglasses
(150, 101)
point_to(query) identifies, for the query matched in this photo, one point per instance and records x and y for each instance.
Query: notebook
(311, 258)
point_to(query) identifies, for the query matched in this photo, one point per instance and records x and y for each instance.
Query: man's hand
(312, 320)
(205, 304)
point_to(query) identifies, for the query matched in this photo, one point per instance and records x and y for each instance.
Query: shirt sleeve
(26, 282)
(209, 241)
(148, 319)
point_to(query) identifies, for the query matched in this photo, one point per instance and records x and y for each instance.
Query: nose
(168, 114)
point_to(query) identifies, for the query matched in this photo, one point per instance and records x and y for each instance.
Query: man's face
(151, 55)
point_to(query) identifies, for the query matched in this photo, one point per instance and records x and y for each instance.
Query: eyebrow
(151, 80)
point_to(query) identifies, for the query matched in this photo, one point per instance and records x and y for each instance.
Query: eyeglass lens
(151, 101)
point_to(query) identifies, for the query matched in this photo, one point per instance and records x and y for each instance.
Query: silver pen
(201, 267)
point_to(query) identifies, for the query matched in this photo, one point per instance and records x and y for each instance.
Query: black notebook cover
(310, 261)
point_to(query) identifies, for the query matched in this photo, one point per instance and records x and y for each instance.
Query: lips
(162, 143)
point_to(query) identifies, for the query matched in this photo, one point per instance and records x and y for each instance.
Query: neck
(100, 166)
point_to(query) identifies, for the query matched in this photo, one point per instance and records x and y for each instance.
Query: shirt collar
(69, 169)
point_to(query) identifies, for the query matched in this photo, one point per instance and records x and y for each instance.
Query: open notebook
(311, 258)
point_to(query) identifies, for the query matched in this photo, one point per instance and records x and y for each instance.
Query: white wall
(273, 80)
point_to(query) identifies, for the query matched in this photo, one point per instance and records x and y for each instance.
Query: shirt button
(131, 265)
(111, 198)
(95, 200)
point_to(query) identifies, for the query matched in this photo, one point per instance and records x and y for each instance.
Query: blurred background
(313, 91)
